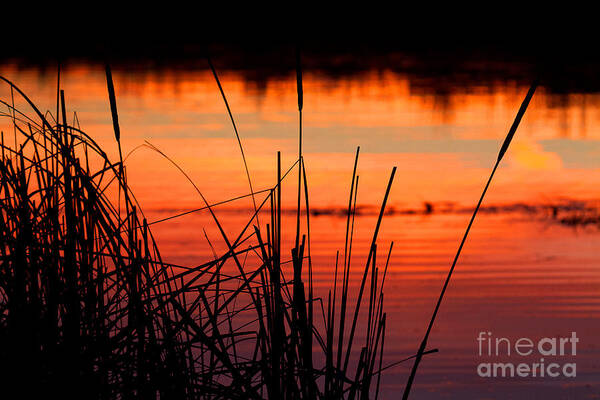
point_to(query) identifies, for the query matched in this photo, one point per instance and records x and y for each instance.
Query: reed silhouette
(502, 152)
(88, 308)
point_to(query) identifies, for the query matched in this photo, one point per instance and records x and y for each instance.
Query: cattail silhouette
(503, 150)
(90, 309)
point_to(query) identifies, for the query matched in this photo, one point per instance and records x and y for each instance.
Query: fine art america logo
(526, 358)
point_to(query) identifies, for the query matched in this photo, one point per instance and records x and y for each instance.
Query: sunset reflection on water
(520, 274)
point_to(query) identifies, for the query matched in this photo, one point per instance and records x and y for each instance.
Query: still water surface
(522, 274)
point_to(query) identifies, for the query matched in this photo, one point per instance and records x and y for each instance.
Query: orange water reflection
(443, 153)
(519, 276)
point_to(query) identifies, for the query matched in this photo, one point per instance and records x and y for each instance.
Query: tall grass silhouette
(88, 307)
(501, 153)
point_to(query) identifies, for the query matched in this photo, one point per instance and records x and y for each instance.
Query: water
(521, 275)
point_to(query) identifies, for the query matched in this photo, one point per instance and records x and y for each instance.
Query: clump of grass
(88, 307)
